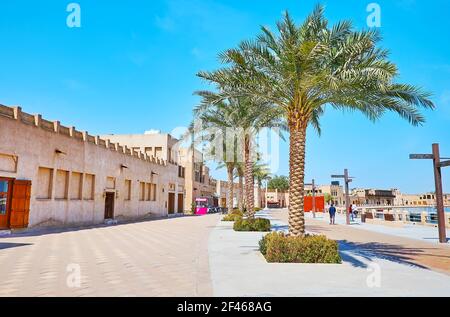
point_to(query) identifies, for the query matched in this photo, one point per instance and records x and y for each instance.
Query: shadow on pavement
(9, 245)
(40, 231)
(374, 250)
(279, 227)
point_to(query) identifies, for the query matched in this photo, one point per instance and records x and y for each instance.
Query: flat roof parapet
(7, 111)
(36, 120)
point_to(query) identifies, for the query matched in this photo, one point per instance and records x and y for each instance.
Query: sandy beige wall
(35, 147)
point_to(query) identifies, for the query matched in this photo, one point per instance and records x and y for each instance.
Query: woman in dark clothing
(332, 211)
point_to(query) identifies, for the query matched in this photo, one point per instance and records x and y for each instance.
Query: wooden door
(171, 203)
(109, 205)
(180, 203)
(20, 204)
(5, 198)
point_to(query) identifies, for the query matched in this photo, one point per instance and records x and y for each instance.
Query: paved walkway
(202, 256)
(363, 272)
(400, 249)
(154, 258)
(425, 233)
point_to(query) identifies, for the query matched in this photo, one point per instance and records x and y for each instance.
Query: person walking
(354, 211)
(332, 212)
(350, 211)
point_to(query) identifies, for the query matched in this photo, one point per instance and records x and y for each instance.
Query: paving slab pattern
(425, 233)
(386, 244)
(202, 256)
(362, 273)
(154, 258)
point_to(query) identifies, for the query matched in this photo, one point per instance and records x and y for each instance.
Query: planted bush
(231, 217)
(237, 212)
(280, 248)
(252, 224)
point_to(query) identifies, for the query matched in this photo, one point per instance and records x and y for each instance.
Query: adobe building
(260, 196)
(427, 199)
(199, 183)
(334, 189)
(222, 193)
(194, 180)
(54, 175)
(276, 198)
(159, 146)
(153, 143)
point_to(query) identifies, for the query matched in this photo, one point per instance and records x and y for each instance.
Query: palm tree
(215, 122)
(246, 116)
(307, 67)
(261, 173)
(280, 183)
(328, 198)
(231, 168)
(240, 176)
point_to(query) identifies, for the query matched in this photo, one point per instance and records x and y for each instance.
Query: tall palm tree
(231, 168)
(305, 68)
(240, 176)
(261, 173)
(245, 116)
(215, 122)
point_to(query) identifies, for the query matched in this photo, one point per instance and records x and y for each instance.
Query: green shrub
(234, 215)
(231, 217)
(263, 243)
(257, 209)
(261, 224)
(279, 248)
(252, 224)
(237, 212)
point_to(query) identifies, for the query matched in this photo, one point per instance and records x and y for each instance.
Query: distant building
(427, 199)
(194, 180)
(153, 143)
(160, 146)
(276, 198)
(222, 193)
(198, 181)
(334, 190)
(373, 197)
(259, 197)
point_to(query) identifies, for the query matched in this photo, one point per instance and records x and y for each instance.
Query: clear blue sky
(131, 67)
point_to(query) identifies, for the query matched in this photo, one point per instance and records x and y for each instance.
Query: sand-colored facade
(426, 199)
(74, 175)
(275, 197)
(199, 182)
(193, 174)
(222, 190)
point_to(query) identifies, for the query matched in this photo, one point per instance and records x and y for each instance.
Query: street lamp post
(347, 180)
(313, 187)
(437, 166)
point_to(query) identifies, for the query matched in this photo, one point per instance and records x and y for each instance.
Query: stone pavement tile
(153, 258)
(424, 233)
(408, 251)
(238, 269)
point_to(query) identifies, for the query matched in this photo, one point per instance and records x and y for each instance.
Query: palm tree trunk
(297, 140)
(259, 194)
(230, 195)
(249, 181)
(241, 193)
